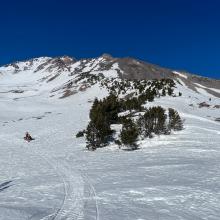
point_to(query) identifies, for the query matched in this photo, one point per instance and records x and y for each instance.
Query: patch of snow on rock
(180, 74)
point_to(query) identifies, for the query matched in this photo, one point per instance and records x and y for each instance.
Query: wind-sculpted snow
(54, 177)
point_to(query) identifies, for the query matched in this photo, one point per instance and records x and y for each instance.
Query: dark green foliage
(156, 87)
(153, 121)
(97, 133)
(158, 113)
(90, 78)
(102, 114)
(92, 136)
(175, 122)
(108, 108)
(80, 133)
(112, 107)
(94, 109)
(131, 104)
(118, 142)
(170, 91)
(129, 133)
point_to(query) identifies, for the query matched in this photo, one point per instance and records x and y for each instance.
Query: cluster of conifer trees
(160, 87)
(152, 121)
(146, 90)
(89, 78)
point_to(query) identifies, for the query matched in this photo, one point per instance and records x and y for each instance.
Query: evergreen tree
(92, 136)
(175, 122)
(148, 123)
(98, 130)
(129, 134)
(153, 121)
(170, 91)
(93, 110)
(159, 120)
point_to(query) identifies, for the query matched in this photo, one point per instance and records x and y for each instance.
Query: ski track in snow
(73, 202)
(71, 207)
(70, 210)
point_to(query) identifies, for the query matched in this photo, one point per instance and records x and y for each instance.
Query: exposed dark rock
(52, 78)
(216, 106)
(68, 93)
(17, 91)
(204, 104)
(136, 69)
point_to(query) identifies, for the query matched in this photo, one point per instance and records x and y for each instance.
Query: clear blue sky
(180, 34)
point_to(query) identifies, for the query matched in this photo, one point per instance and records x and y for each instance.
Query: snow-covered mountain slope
(54, 177)
(65, 76)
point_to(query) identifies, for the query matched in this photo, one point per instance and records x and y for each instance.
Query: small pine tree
(160, 118)
(175, 122)
(92, 136)
(98, 130)
(170, 91)
(129, 134)
(148, 123)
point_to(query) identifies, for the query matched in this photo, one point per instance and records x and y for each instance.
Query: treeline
(150, 122)
(157, 87)
(147, 89)
(89, 78)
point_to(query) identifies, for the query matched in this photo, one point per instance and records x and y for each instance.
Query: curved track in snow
(72, 205)
(79, 200)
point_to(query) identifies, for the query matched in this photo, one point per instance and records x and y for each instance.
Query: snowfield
(174, 177)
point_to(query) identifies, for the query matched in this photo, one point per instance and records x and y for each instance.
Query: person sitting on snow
(28, 137)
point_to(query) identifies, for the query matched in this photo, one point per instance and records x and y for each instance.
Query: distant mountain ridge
(123, 68)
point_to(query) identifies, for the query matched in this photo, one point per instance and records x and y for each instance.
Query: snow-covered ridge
(65, 76)
(55, 77)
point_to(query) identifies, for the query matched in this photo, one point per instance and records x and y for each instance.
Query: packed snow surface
(174, 177)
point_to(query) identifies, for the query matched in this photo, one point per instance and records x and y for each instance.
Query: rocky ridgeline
(70, 75)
